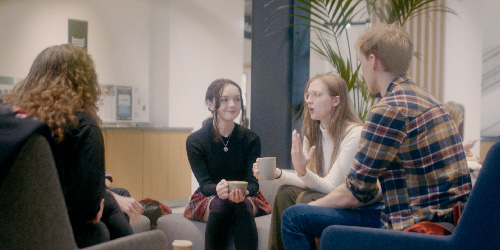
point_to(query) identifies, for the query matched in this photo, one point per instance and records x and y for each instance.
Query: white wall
(160, 63)
(491, 36)
(172, 49)
(490, 114)
(205, 43)
(463, 63)
(118, 38)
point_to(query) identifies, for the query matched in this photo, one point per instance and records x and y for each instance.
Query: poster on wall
(123, 103)
(78, 33)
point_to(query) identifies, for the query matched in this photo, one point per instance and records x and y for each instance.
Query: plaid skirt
(198, 204)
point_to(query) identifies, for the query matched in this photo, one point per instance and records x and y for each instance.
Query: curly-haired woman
(62, 90)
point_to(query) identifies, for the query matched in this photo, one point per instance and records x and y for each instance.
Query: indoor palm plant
(328, 23)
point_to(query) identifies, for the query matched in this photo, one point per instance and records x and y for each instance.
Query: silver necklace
(225, 144)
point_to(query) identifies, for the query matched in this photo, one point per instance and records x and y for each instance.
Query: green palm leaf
(327, 20)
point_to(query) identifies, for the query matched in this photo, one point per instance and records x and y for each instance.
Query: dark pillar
(280, 69)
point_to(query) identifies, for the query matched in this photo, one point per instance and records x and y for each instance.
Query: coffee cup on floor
(267, 167)
(182, 244)
(241, 185)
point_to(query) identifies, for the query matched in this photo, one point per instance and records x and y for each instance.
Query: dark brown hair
(214, 93)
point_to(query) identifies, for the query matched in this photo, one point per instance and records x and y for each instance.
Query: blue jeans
(302, 223)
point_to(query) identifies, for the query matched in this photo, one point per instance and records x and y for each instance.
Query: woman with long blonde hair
(331, 132)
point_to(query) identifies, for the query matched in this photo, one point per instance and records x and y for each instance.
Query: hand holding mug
(237, 196)
(266, 168)
(256, 171)
(222, 189)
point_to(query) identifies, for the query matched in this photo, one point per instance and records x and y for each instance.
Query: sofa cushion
(177, 227)
(142, 224)
(268, 189)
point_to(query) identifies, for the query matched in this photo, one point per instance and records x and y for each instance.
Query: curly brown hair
(61, 82)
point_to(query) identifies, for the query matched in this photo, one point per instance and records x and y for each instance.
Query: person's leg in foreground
(303, 223)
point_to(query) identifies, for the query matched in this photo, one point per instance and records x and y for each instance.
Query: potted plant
(328, 22)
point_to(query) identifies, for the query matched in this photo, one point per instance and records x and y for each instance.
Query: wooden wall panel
(124, 159)
(167, 174)
(484, 148)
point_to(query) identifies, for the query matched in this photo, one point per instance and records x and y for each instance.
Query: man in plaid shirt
(410, 154)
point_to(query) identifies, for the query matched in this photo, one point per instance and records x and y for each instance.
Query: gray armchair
(177, 227)
(34, 215)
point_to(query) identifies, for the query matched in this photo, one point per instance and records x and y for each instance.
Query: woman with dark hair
(223, 150)
(62, 90)
(331, 132)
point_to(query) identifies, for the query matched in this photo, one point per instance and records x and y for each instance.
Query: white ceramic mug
(267, 168)
(241, 185)
(182, 244)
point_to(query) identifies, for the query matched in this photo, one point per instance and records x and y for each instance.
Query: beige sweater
(339, 168)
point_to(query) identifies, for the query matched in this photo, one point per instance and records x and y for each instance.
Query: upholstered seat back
(33, 213)
(480, 221)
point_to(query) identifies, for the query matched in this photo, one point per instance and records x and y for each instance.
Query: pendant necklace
(225, 144)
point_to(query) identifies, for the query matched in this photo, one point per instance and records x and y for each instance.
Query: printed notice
(123, 103)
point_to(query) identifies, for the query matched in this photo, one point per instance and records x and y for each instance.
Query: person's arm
(98, 216)
(468, 145)
(291, 178)
(197, 160)
(254, 151)
(383, 133)
(283, 176)
(341, 197)
(84, 186)
(341, 166)
(128, 205)
(300, 159)
(301, 155)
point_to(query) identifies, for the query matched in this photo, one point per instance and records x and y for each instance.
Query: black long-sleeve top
(210, 164)
(83, 161)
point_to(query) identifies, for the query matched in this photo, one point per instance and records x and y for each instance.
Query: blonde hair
(456, 114)
(343, 117)
(61, 82)
(456, 111)
(391, 45)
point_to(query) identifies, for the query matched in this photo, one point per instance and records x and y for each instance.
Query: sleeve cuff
(363, 197)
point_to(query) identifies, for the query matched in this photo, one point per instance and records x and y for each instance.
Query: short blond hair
(391, 45)
(456, 112)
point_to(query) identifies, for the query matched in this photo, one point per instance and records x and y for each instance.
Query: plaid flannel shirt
(412, 146)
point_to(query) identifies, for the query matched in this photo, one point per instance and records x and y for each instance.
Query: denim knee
(291, 212)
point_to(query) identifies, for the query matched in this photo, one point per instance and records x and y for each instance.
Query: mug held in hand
(241, 185)
(267, 168)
